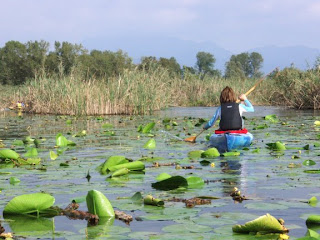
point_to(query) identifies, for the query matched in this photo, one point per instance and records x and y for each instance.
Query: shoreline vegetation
(73, 81)
(142, 92)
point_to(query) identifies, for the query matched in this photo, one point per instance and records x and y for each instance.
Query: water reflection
(259, 111)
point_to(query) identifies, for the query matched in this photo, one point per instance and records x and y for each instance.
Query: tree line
(21, 62)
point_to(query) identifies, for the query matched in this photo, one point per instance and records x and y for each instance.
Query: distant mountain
(300, 56)
(185, 51)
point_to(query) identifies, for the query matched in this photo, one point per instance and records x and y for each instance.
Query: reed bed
(142, 92)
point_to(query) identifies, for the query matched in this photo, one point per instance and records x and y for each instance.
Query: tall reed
(142, 92)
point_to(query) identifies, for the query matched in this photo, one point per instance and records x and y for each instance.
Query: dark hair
(227, 95)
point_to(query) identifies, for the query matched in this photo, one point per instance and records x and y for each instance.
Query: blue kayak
(230, 141)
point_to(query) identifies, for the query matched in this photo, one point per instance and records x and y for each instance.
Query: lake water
(274, 183)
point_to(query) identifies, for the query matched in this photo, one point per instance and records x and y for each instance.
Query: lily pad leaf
(32, 152)
(53, 155)
(313, 234)
(272, 118)
(14, 180)
(170, 183)
(313, 201)
(107, 125)
(113, 161)
(210, 153)
(18, 143)
(230, 154)
(313, 171)
(132, 166)
(148, 127)
(29, 161)
(277, 146)
(8, 154)
(137, 197)
(151, 144)
(163, 176)
(120, 172)
(80, 134)
(264, 224)
(313, 219)
(309, 163)
(195, 182)
(62, 141)
(99, 204)
(29, 203)
(195, 153)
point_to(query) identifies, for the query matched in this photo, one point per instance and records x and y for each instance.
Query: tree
(13, 68)
(256, 62)
(36, 56)
(148, 63)
(244, 65)
(205, 63)
(171, 65)
(104, 64)
(65, 55)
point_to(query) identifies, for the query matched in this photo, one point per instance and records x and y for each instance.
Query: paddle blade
(191, 139)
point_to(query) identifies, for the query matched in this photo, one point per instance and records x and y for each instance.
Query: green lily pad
(62, 141)
(210, 153)
(29, 203)
(272, 118)
(150, 144)
(163, 176)
(195, 182)
(195, 153)
(8, 154)
(120, 172)
(277, 146)
(313, 171)
(230, 154)
(53, 155)
(309, 163)
(32, 152)
(132, 166)
(14, 180)
(107, 125)
(313, 219)
(148, 127)
(113, 161)
(99, 204)
(170, 183)
(137, 197)
(263, 224)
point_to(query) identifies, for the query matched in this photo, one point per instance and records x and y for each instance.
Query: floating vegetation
(263, 225)
(181, 190)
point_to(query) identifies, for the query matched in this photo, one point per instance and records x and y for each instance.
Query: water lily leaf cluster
(120, 165)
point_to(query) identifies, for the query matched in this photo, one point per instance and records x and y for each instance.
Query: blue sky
(236, 25)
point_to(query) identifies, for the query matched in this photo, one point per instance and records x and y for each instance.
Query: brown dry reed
(143, 92)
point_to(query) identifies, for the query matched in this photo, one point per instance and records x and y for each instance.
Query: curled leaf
(263, 224)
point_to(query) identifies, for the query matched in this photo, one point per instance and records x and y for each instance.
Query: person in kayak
(230, 112)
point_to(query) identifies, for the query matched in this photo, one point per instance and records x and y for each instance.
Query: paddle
(193, 138)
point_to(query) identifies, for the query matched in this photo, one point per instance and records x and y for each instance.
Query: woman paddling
(230, 112)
